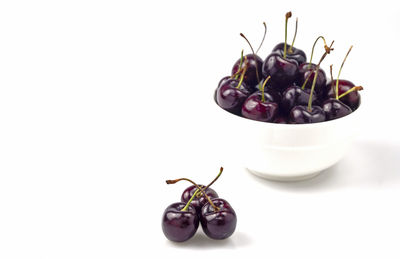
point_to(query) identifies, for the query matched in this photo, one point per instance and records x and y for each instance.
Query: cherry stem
(198, 187)
(294, 37)
(213, 181)
(287, 16)
(327, 51)
(340, 70)
(312, 89)
(240, 65)
(254, 54)
(243, 72)
(191, 199)
(262, 41)
(315, 76)
(312, 51)
(262, 89)
(332, 84)
(355, 88)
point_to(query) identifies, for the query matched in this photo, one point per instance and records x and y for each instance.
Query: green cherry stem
(262, 41)
(254, 54)
(340, 70)
(240, 65)
(191, 199)
(287, 16)
(312, 89)
(355, 88)
(198, 187)
(262, 89)
(243, 72)
(312, 50)
(294, 37)
(332, 84)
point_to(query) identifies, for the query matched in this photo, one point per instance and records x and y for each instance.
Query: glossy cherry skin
(300, 114)
(335, 109)
(197, 202)
(293, 96)
(179, 225)
(307, 71)
(352, 99)
(218, 224)
(283, 71)
(231, 98)
(253, 67)
(223, 80)
(254, 108)
(296, 54)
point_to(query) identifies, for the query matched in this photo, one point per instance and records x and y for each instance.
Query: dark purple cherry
(253, 73)
(280, 66)
(223, 80)
(335, 109)
(199, 200)
(300, 114)
(306, 75)
(293, 96)
(231, 95)
(253, 64)
(255, 109)
(179, 224)
(351, 99)
(344, 89)
(292, 52)
(283, 71)
(218, 221)
(261, 105)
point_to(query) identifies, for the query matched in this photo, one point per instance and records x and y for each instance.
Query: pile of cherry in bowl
(285, 88)
(199, 204)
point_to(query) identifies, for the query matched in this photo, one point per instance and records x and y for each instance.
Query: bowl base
(280, 178)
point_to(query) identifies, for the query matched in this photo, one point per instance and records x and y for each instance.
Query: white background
(101, 101)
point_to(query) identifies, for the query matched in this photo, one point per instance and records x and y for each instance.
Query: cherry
(260, 106)
(348, 93)
(231, 94)
(302, 114)
(345, 90)
(292, 52)
(224, 79)
(218, 221)
(310, 114)
(254, 65)
(180, 221)
(307, 70)
(253, 74)
(296, 54)
(199, 200)
(282, 69)
(335, 109)
(293, 96)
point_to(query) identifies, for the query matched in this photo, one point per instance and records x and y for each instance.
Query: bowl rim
(287, 125)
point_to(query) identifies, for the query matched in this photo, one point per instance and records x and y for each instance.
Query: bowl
(286, 152)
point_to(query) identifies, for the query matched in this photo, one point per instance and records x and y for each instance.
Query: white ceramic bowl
(287, 152)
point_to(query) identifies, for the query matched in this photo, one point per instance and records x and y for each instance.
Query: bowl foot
(280, 178)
